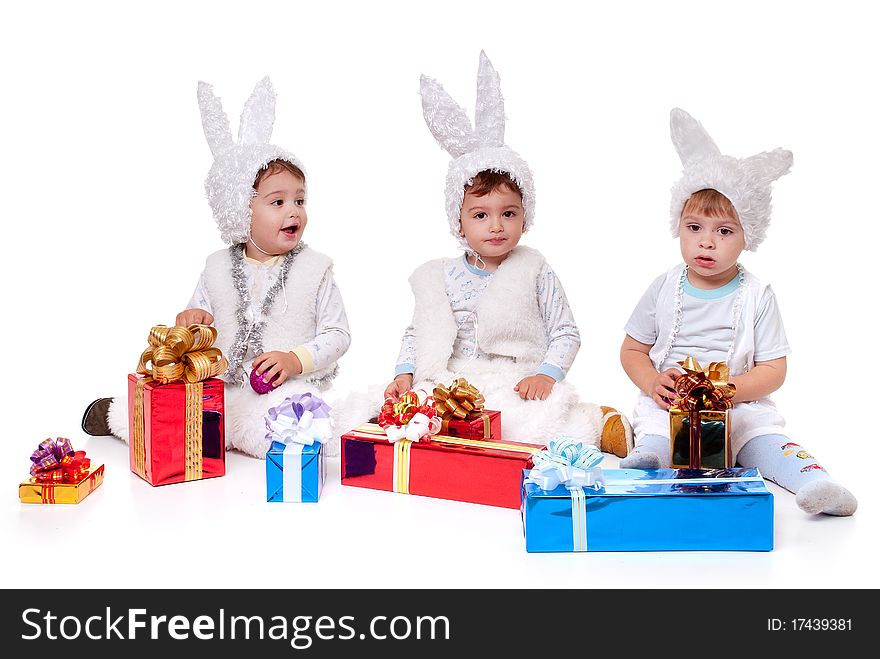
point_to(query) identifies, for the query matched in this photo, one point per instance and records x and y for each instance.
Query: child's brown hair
(489, 180)
(276, 167)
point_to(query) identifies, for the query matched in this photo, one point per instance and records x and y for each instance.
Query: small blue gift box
(651, 510)
(295, 472)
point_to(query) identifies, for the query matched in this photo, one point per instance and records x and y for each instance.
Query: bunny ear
(214, 119)
(489, 119)
(258, 116)
(772, 164)
(447, 121)
(690, 138)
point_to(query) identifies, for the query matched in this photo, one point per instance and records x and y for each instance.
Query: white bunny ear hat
(474, 148)
(230, 181)
(744, 181)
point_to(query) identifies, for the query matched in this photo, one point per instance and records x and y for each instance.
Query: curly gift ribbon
(458, 400)
(704, 388)
(412, 417)
(182, 353)
(571, 464)
(178, 353)
(565, 462)
(300, 419)
(55, 461)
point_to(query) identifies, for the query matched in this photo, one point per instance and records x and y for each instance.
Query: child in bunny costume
(272, 298)
(497, 315)
(712, 309)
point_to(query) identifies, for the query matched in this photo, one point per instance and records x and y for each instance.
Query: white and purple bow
(300, 419)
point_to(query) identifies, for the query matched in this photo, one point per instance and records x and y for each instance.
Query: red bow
(55, 461)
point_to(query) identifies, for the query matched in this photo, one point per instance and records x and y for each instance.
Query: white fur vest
(286, 326)
(509, 324)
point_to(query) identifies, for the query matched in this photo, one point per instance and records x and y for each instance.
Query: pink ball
(258, 385)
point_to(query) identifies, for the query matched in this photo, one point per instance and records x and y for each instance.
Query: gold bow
(459, 400)
(704, 388)
(182, 353)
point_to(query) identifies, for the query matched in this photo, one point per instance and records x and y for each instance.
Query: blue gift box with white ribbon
(295, 472)
(650, 510)
(295, 467)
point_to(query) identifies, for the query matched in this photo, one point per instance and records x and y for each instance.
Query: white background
(106, 224)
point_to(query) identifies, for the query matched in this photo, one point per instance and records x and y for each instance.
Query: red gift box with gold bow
(59, 474)
(176, 407)
(461, 406)
(404, 455)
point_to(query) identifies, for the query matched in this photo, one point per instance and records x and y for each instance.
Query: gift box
(176, 431)
(460, 406)
(34, 491)
(295, 472)
(295, 466)
(175, 407)
(700, 438)
(59, 474)
(477, 425)
(444, 467)
(651, 510)
(699, 419)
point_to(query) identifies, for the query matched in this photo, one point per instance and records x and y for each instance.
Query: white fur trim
(744, 181)
(509, 324)
(292, 318)
(229, 185)
(474, 148)
(117, 417)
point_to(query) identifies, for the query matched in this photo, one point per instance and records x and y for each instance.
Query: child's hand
(194, 317)
(663, 387)
(535, 387)
(277, 366)
(399, 386)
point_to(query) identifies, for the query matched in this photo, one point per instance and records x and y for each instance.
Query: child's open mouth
(291, 230)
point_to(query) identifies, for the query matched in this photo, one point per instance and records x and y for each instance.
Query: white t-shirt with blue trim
(706, 331)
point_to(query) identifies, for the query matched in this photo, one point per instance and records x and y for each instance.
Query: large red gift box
(176, 430)
(461, 469)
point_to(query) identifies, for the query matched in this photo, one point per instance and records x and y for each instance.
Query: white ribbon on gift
(573, 465)
(295, 434)
(417, 427)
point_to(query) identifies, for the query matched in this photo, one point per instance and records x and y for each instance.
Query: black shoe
(94, 421)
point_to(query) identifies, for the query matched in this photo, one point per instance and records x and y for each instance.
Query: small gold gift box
(706, 448)
(35, 491)
(699, 421)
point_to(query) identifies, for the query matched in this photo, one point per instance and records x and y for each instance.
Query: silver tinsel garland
(250, 334)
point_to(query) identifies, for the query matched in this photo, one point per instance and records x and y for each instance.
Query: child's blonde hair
(709, 203)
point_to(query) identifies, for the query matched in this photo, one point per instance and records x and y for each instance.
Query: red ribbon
(55, 461)
(401, 412)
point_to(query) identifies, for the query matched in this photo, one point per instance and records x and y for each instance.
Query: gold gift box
(714, 439)
(34, 491)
